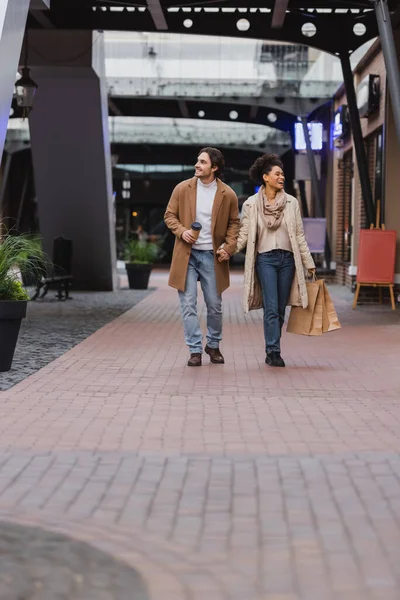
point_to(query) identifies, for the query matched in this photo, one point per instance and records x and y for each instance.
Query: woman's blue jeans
(275, 270)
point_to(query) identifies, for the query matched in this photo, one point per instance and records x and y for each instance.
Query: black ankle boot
(274, 359)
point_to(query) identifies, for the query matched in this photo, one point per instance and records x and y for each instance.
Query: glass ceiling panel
(173, 65)
(160, 64)
(163, 130)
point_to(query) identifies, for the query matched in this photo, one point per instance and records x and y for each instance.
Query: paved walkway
(234, 482)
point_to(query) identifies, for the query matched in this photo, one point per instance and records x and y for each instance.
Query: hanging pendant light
(25, 87)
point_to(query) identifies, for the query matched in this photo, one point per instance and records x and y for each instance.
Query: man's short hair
(216, 157)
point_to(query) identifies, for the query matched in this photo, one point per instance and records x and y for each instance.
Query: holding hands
(189, 238)
(222, 255)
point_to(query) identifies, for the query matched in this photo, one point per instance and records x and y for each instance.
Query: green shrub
(18, 251)
(11, 289)
(141, 252)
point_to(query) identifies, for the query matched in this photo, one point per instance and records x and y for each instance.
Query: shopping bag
(319, 317)
(308, 321)
(330, 316)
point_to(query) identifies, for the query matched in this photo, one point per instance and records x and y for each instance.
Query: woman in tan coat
(277, 253)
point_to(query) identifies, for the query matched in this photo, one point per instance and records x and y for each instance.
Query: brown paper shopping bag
(330, 316)
(319, 317)
(308, 321)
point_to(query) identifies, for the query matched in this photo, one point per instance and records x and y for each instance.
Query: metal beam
(225, 24)
(239, 158)
(294, 4)
(253, 112)
(358, 140)
(39, 5)
(215, 110)
(114, 109)
(157, 14)
(390, 56)
(279, 13)
(183, 107)
(41, 18)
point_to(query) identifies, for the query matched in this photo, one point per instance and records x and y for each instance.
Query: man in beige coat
(204, 199)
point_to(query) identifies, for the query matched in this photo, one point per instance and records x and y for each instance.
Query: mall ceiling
(331, 25)
(190, 109)
(334, 26)
(153, 154)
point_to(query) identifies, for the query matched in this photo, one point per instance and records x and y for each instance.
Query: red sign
(376, 256)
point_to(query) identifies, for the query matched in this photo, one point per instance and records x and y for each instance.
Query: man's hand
(188, 237)
(222, 255)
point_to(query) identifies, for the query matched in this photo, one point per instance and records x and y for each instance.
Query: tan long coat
(180, 214)
(302, 257)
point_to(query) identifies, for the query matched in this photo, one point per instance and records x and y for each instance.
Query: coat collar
(219, 196)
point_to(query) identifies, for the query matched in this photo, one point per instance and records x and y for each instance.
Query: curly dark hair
(216, 157)
(263, 166)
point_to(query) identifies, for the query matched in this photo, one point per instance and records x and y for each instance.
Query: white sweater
(204, 205)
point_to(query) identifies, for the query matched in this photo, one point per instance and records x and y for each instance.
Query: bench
(61, 275)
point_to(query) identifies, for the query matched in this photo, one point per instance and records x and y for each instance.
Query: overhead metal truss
(338, 27)
(215, 111)
(241, 158)
(329, 25)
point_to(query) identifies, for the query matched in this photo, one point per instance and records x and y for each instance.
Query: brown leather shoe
(194, 360)
(215, 355)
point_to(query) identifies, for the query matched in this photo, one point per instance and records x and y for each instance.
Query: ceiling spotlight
(188, 23)
(243, 25)
(201, 114)
(359, 29)
(233, 115)
(308, 29)
(272, 118)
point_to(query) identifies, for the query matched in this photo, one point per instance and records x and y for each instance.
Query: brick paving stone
(225, 482)
(53, 327)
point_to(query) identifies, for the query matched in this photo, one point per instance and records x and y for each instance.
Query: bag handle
(313, 278)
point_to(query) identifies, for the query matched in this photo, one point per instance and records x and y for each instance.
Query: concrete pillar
(71, 151)
(13, 15)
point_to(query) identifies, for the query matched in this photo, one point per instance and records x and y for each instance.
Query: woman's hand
(222, 255)
(311, 272)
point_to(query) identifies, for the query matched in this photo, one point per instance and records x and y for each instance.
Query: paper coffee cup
(195, 228)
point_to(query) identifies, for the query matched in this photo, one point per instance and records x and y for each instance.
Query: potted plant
(139, 259)
(17, 252)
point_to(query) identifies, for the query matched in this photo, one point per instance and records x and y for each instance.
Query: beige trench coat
(302, 257)
(180, 214)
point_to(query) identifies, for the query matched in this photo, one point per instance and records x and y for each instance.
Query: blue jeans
(201, 268)
(275, 271)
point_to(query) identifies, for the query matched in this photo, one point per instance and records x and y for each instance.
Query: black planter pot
(138, 275)
(11, 315)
